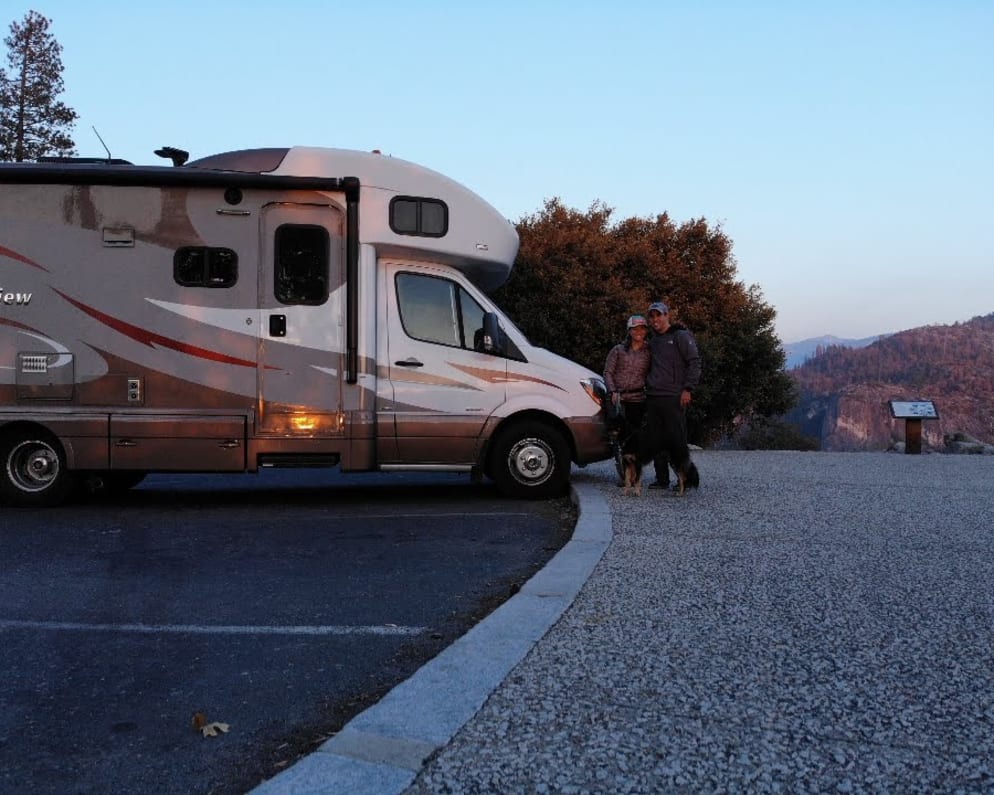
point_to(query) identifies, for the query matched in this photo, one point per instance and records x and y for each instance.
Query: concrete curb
(382, 749)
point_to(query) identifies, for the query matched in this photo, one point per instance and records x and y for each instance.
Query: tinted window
(404, 216)
(434, 218)
(203, 266)
(301, 268)
(411, 215)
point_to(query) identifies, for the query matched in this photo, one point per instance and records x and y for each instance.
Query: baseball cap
(636, 320)
(660, 307)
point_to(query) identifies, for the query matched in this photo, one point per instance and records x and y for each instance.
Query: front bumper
(591, 438)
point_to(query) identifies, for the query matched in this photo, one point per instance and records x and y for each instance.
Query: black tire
(34, 472)
(530, 460)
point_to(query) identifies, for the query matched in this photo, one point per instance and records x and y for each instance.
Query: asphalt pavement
(805, 622)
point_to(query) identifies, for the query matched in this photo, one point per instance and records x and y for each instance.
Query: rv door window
(438, 310)
(301, 268)
(203, 266)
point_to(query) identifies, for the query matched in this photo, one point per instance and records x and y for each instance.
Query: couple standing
(654, 379)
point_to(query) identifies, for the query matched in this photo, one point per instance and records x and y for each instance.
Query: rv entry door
(302, 334)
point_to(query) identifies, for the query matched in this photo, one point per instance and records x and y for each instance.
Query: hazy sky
(847, 148)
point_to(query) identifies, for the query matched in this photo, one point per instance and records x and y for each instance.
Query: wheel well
(524, 416)
(26, 426)
(16, 426)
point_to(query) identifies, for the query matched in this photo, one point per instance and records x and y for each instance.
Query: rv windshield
(507, 322)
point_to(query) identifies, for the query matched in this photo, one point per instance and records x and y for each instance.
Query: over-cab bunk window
(411, 215)
(301, 272)
(205, 266)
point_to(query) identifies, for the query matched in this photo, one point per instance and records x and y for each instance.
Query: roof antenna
(178, 156)
(109, 158)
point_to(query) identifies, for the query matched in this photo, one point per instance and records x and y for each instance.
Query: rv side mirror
(493, 339)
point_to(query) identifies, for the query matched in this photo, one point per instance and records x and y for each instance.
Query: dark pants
(635, 418)
(666, 427)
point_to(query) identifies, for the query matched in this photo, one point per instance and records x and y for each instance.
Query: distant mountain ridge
(799, 352)
(845, 391)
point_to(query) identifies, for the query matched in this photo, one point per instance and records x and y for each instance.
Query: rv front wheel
(34, 470)
(530, 461)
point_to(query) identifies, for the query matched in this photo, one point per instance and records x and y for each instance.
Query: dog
(641, 448)
(687, 477)
(632, 469)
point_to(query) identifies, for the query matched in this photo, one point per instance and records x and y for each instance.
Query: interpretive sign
(913, 409)
(913, 412)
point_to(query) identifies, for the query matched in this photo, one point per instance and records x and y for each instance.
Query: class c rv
(269, 308)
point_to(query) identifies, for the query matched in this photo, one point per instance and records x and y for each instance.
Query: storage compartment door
(177, 443)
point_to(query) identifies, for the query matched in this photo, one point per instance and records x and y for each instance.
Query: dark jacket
(675, 363)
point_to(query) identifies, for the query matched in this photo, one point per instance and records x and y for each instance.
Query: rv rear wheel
(34, 470)
(530, 460)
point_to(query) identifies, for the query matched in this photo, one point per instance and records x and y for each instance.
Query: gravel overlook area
(805, 622)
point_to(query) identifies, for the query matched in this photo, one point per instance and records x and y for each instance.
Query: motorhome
(264, 308)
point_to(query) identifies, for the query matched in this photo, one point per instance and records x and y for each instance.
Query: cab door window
(438, 310)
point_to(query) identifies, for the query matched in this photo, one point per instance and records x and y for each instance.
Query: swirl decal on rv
(6, 252)
(152, 339)
(63, 356)
(500, 377)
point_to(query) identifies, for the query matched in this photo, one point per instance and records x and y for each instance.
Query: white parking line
(207, 629)
(488, 514)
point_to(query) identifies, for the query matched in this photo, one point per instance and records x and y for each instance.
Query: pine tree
(33, 123)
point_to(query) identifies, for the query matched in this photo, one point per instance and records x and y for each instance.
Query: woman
(625, 372)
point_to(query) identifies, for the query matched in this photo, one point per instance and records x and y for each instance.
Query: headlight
(596, 388)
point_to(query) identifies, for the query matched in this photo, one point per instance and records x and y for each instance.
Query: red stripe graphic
(6, 252)
(150, 338)
(8, 322)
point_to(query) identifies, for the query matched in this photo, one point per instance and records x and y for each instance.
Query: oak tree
(579, 275)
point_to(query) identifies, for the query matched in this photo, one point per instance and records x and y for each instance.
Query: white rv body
(278, 307)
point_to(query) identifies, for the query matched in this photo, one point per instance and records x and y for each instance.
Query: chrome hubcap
(32, 466)
(531, 461)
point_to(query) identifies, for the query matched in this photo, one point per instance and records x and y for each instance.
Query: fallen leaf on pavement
(212, 729)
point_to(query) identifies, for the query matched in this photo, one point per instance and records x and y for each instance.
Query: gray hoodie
(675, 363)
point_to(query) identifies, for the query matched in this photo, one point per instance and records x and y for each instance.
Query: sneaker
(657, 485)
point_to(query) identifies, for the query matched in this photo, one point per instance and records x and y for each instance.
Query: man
(674, 372)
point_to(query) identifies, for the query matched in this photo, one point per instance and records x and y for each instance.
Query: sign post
(913, 412)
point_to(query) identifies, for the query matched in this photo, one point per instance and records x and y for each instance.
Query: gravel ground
(806, 622)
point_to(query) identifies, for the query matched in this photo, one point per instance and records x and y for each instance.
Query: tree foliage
(33, 122)
(578, 276)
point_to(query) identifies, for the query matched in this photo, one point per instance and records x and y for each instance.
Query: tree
(33, 123)
(578, 276)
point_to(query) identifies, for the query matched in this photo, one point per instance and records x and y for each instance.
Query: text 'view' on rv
(269, 307)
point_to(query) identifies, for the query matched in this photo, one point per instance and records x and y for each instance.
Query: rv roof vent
(178, 156)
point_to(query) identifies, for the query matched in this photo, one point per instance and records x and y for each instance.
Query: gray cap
(660, 307)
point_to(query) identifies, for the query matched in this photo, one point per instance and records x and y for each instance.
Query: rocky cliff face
(845, 392)
(858, 418)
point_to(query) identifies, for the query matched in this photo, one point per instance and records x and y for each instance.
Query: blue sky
(846, 148)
